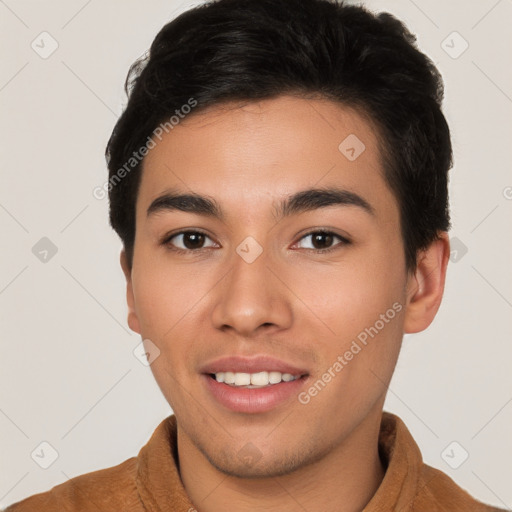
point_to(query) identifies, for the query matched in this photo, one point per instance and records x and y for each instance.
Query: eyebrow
(303, 201)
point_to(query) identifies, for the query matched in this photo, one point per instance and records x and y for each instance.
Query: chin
(250, 462)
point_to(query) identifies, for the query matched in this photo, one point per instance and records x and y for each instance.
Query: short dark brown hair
(229, 50)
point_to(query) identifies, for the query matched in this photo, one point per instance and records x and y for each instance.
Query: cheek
(346, 298)
(168, 305)
(165, 295)
(356, 318)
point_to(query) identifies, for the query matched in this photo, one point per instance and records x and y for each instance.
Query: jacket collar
(161, 489)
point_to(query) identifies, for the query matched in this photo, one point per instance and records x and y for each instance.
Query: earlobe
(425, 287)
(133, 321)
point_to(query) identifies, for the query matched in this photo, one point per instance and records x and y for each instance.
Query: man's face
(306, 301)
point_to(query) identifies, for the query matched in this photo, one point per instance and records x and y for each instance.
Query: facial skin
(293, 303)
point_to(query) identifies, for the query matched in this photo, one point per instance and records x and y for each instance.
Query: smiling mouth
(253, 380)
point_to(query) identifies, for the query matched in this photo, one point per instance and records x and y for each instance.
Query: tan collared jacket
(151, 482)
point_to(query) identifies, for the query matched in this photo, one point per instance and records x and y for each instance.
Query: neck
(344, 480)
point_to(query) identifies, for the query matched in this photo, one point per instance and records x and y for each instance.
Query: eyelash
(167, 239)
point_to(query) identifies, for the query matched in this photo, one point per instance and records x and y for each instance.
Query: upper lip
(240, 364)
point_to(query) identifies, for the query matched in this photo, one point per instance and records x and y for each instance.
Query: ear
(133, 321)
(425, 286)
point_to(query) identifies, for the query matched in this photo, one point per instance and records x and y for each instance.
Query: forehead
(254, 153)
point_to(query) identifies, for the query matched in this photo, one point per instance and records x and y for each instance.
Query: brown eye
(321, 241)
(189, 240)
(193, 240)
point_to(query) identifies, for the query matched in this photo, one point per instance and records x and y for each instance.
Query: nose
(251, 300)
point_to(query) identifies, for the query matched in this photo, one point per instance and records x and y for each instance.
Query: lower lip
(253, 400)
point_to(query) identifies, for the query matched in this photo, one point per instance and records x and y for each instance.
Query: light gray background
(68, 375)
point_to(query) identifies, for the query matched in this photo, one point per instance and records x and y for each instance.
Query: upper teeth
(255, 379)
